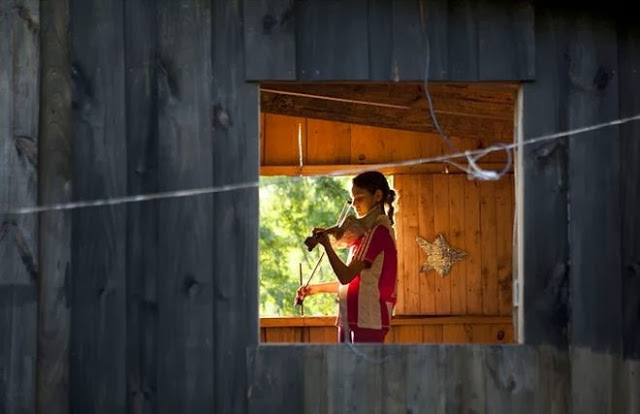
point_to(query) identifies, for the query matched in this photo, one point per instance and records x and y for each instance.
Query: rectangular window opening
(454, 286)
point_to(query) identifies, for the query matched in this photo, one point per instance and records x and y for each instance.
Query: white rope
(474, 154)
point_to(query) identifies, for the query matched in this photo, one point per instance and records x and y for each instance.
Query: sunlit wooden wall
(475, 216)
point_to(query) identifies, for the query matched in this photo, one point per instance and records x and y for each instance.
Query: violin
(342, 235)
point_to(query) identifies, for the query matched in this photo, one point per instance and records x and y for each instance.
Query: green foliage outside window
(289, 209)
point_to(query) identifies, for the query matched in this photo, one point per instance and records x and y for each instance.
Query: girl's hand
(304, 291)
(321, 236)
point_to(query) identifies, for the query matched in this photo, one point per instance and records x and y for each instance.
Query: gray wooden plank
(55, 227)
(594, 226)
(425, 378)
(510, 378)
(332, 40)
(462, 40)
(629, 83)
(185, 333)
(142, 218)
(464, 379)
(380, 21)
(506, 40)
(235, 149)
(97, 376)
(420, 33)
(19, 103)
(544, 193)
(269, 39)
(276, 379)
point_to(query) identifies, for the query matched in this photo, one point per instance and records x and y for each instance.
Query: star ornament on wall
(440, 256)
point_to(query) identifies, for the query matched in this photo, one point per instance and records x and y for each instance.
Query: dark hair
(372, 181)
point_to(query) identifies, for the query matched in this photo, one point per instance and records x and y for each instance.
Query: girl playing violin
(366, 284)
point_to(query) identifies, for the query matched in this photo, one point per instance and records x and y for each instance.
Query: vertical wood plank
(629, 61)
(141, 52)
(331, 44)
(327, 142)
(504, 238)
(185, 335)
(19, 105)
(98, 317)
(473, 261)
(380, 21)
(488, 248)
(441, 225)
(399, 227)
(269, 39)
(235, 213)
(54, 183)
(408, 200)
(426, 211)
(419, 28)
(543, 185)
(462, 41)
(595, 272)
(457, 240)
(506, 41)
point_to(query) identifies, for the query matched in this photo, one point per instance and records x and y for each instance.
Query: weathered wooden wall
(195, 302)
(141, 306)
(383, 40)
(19, 103)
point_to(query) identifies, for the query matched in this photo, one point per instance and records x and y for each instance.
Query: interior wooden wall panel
(441, 226)
(488, 248)
(327, 142)
(281, 139)
(458, 275)
(408, 190)
(426, 281)
(472, 245)
(504, 235)
(457, 333)
(322, 335)
(330, 142)
(474, 216)
(432, 333)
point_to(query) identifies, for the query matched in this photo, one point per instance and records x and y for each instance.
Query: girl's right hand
(304, 291)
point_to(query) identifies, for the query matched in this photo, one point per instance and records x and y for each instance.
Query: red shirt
(371, 295)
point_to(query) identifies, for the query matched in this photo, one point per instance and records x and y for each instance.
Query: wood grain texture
(544, 186)
(405, 378)
(426, 210)
(54, 182)
(185, 264)
(141, 52)
(629, 81)
(332, 40)
(441, 225)
(595, 273)
(506, 40)
(98, 316)
(269, 39)
(235, 213)
(19, 250)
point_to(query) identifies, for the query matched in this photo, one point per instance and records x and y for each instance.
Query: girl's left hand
(321, 236)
